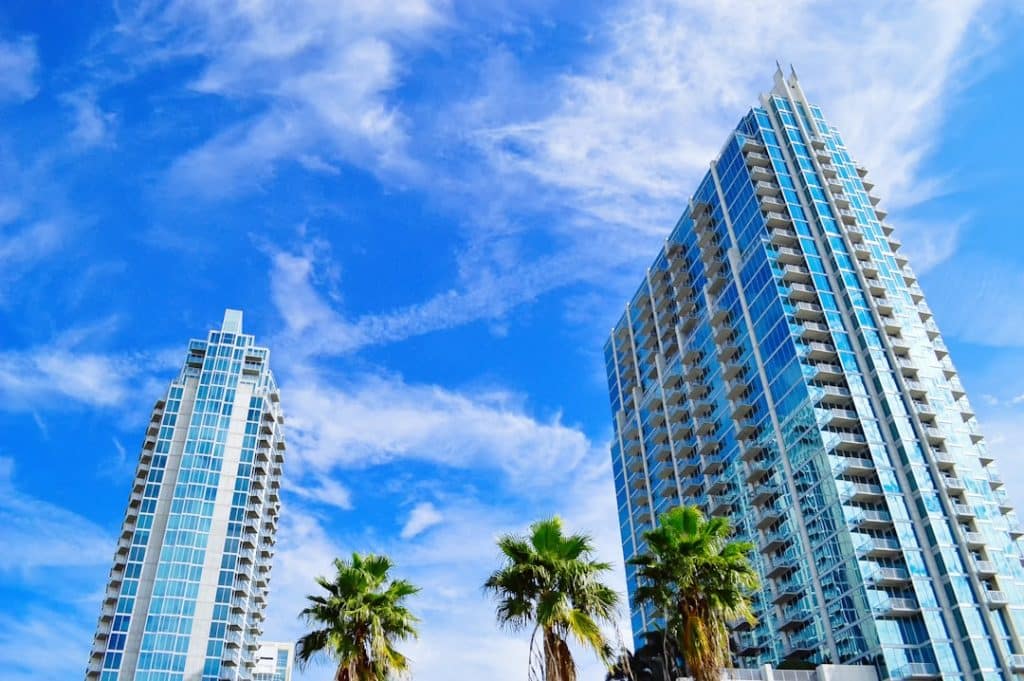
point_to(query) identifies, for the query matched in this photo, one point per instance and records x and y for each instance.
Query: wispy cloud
(325, 330)
(19, 69)
(325, 491)
(68, 371)
(375, 418)
(38, 534)
(423, 516)
(634, 126)
(318, 74)
(977, 299)
(93, 127)
(41, 643)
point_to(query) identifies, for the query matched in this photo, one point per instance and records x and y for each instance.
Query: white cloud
(422, 517)
(321, 73)
(977, 299)
(37, 534)
(634, 127)
(19, 67)
(43, 644)
(324, 330)
(371, 419)
(93, 127)
(66, 372)
(53, 376)
(326, 491)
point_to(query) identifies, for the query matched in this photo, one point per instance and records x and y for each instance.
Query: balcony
(746, 429)
(860, 491)
(888, 576)
(802, 647)
(708, 447)
(729, 351)
(689, 466)
(828, 170)
(802, 292)
(896, 607)
(787, 594)
(877, 547)
(986, 568)
(820, 352)
(815, 331)
(953, 484)
(757, 159)
(766, 188)
(757, 469)
(774, 541)
(852, 465)
(716, 284)
(782, 236)
(996, 599)
(794, 618)
(869, 519)
(963, 511)
(834, 394)
(823, 371)
(691, 486)
(768, 516)
(935, 436)
(945, 460)
(765, 493)
(809, 312)
(747, 646)
(844, 441)
(774, 218)
(796, 273)
(842, 418)
(916, 389)
(781, 566)
(759, 173)
(715, 463)
(734, 389)
(722, 505)
(916, 670)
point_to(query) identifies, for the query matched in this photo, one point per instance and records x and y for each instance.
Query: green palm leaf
(359, 620)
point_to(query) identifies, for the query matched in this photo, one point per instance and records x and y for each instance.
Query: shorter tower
(191, 570)
(274, 662)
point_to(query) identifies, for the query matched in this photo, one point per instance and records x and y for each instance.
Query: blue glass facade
(190, 577)
(779, 366)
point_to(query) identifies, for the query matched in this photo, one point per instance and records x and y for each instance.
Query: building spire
(232, 321)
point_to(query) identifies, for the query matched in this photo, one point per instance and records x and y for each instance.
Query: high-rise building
(274, 662)
(189, 583)
(779, 366)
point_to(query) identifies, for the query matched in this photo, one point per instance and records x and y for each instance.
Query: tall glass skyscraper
(189, 584)
(779, 366)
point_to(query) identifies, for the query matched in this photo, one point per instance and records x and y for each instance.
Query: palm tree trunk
(551, 666)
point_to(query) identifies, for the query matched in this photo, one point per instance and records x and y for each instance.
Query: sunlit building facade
(274, 662)
(779, 366)
(189, 584)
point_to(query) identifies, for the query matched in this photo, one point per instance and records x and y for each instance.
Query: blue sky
(432, 212)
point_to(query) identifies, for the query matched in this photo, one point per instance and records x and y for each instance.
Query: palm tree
(701, 581)
(359, 619)
(552, 581)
